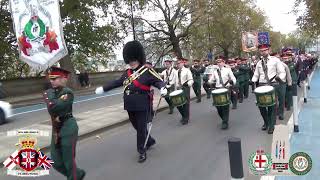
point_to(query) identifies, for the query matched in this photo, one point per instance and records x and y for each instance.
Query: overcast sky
(278, 14)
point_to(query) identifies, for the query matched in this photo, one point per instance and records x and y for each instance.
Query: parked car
(5, 111)
(5, 107)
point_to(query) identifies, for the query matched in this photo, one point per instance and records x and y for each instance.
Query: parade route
(195, 151)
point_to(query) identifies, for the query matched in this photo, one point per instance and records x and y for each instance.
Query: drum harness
(265, 71)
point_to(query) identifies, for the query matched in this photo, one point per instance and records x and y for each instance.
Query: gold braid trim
(155, 74)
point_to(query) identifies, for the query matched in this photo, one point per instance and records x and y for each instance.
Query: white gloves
(99, 90)
(168, 86)
(190, 83)
(163, 91)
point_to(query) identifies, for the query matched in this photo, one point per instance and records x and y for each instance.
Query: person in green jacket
(290, 90)
(59, 100)
(197, 70)
(244, 68)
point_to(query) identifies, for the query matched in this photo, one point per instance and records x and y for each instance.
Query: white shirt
(226, 74)
(274, 68)
(169, 76)
(186, 76)
(288, 74)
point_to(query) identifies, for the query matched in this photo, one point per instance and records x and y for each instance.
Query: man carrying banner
(137, 96)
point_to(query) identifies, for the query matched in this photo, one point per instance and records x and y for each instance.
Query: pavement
(308, 139)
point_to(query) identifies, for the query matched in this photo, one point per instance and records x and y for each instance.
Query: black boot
(270, 131)
(198, 100)
(83, 175)
(142, 157)
(234, 106)
(264, 127)
(184, 121)
(171, 111)
(151, 143)
(224, 125)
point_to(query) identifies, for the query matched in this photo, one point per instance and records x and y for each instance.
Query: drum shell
(220, 99)
(179, 99)
(266, 99)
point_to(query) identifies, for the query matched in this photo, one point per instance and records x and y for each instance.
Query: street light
(132, 21)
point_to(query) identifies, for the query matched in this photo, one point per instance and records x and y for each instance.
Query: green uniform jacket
(245, 69)
(59, 103)
(238, 76)
(293, 73)
(196, 73)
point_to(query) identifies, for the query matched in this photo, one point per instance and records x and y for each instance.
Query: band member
(206, 86)
(137, 99)
(169, 77)
(234, 90)
(269, 71)
(197, 70)
(223, 78)
(184, 81)
(245, 71)
(59, 100)
(290, 90)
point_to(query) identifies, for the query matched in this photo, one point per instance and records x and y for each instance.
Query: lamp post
(132, 21)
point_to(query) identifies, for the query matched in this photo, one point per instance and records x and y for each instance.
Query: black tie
(179, 76)
(220, 78)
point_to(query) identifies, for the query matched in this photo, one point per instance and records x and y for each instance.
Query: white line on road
(90, 99)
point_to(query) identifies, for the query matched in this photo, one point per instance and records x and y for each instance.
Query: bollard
(304, 91)
(235, 157)
(295, 108)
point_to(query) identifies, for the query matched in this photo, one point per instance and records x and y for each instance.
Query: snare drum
(220, 97)
(265, 96)
(178, 98)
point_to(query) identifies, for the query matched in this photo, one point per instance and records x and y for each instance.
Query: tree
(170, 29)
(223, 25)
(309, 21)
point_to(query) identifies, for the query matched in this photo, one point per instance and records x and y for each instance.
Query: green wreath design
(292, 167)
(27, 29)
(253, 168)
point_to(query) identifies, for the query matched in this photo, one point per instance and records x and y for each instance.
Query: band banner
(39, 33)
(249, 41)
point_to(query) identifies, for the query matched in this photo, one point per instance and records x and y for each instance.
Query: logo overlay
(300, 163)
(26, 160)
(260, 163)
(280, 151)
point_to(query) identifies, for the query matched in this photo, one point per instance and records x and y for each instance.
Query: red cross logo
(259, 160)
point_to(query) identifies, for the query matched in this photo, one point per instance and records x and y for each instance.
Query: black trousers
(139, 120)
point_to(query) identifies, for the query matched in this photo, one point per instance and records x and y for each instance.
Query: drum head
(263, 89)
(176, 92)
(218, 91)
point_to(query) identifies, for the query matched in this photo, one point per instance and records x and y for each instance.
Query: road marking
(90, 99)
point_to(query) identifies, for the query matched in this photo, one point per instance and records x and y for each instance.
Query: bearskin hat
(134, 51)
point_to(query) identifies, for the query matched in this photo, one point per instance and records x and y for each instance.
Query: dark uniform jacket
(137, 96)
